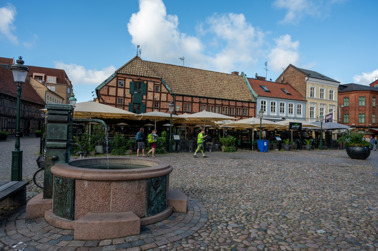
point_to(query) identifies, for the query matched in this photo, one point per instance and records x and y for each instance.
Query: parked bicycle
(38, 177)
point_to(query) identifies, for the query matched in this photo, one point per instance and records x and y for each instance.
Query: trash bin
(262, 145)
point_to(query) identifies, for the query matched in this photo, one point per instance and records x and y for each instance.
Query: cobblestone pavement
(297, 200)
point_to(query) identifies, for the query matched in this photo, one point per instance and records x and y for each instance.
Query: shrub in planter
(286, 145)
(228, 143)
(308, 144)
(3, 135)
(38, 133)
(356, 146)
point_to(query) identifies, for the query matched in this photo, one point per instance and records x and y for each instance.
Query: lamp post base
(16, 172)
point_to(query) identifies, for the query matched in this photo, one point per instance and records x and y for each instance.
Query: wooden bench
(13, 193)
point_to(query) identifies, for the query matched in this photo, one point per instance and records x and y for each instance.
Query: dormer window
(264, 88)
(51, 79)
(285, 91)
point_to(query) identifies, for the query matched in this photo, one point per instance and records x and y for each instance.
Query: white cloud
(79, 75)
(241, 41)
(158, 35)
(7, 17)
(285, 53)
(237, 42)
(297, 9)
(366, 78)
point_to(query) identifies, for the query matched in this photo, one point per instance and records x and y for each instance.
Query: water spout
(105, 128)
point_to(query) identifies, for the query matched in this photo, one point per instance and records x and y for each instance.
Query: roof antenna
(183, 61)
(266, 69)
(139, 51)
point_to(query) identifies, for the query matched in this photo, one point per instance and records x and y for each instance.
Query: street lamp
(321, 132)
(19, 71)
(261, 113)
(72, 101)
(171, 107)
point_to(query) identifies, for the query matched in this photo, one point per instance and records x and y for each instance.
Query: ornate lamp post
(72, 100)
(321, 132)
(261, 113)
(171, 109)
(19, 71)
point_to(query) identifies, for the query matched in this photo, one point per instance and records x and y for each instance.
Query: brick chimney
(235, 73)
(259, 77)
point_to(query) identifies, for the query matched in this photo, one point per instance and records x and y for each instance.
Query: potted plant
(228, 143)
(286, 144)
(356, 146)
(308, 144)
(38, 133)
(3, 135)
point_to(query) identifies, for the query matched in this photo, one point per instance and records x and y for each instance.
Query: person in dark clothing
(140, 139)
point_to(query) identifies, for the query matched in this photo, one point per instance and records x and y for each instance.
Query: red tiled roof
(190, 81)
(275, 89)
(60, 74)
(7, 61)
(8, 87)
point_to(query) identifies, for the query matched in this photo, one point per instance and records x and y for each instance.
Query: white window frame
(263, 106)
(53, 78)
(313, 93)
(284, 108)
(313, 107)
(291, 114)
(322, 108)
(273, 104)
(299, 110)
(322, 91)
(331, 94)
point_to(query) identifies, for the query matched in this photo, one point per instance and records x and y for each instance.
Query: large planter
(286, 147)
(357, 152)
(308, 147)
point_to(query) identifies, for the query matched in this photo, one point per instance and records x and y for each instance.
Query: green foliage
(227, 141)
(307, 142)
(164, 134)
(230, 149)
(37, 131)
(83, 143)
(287, 141)
(120, 144)
(98, 134)
(353, 139)
(3, 135)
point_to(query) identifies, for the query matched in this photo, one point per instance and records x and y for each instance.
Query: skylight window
(264, 88)
(285, 91)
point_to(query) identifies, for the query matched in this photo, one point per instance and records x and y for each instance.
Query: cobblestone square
(295, 200)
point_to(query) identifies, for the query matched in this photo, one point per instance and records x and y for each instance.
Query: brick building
(319, 90)
(358, 106)
(31, 102)
(142, 86)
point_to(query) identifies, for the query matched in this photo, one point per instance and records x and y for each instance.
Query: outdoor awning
(97, 110)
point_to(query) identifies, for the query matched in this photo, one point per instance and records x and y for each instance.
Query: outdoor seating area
(185, 129)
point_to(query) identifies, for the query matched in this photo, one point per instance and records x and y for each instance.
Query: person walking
(375, 143)
(152, 140)
(140, 138)
(200, 139)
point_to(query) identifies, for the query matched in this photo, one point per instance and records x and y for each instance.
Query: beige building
(49, 96)
(320, 91)
(55, 80)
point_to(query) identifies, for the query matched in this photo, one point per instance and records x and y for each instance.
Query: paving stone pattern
(297, 200)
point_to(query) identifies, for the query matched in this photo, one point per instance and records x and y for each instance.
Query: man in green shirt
(200, 143)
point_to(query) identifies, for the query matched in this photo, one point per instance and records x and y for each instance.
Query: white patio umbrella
(97, 110)
(206, 117)
(330, 125)
(156, 116)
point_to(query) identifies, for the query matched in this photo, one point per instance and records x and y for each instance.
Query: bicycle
(38, 177)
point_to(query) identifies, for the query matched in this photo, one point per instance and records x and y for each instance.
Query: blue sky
(91, 39)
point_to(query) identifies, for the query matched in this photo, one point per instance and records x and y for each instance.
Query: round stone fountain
(99, 198)
(129, 190)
